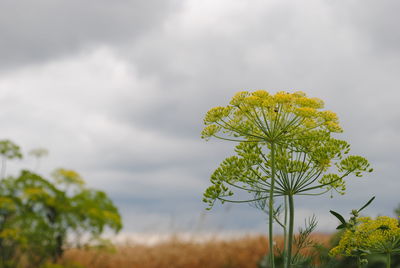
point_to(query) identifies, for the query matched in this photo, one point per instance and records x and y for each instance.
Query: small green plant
(364, 236)
(350, 227)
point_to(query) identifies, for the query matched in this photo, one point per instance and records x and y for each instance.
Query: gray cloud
(124, 105)
(374, 23)
(42, 30)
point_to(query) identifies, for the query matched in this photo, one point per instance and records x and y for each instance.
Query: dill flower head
(262, 116)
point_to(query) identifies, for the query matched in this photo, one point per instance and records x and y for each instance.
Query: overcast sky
(117, 91)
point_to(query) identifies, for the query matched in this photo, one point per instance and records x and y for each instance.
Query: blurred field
(175, 253)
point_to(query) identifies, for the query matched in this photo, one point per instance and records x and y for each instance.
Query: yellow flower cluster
(310, 102)
(333, 126)
(378, 236)
(284, 98)
(328, 116)
(217, 113)
(261, 94)
(209, 131)
(306, 112)
(238, 98)
(271, 115)
(309, 123)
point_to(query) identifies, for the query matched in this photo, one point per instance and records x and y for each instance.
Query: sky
(117, 90)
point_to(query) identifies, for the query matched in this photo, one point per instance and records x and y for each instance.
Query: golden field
(242, 252)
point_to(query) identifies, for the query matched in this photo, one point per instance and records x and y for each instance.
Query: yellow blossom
(309, 123)
(261, 94)
(209, 131)
(283, 97)
(328, 116)
(266, 117)
(333, 126)
(253, 100)
(299, 94)
(378, 236)
(310, 102)
(306, 112)
(216, 113)
(238, 98)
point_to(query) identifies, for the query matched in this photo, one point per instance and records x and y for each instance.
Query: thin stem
(291, 227)
(271, 208)
(226, 139)
(241, 201)
(285, 235)
(316, 194)
(247, 189)
(229, 127)
(310, 178)
(302, 172)
(281, 224)
(260, 179)
(258, 122)
(265, 119)
(329, 183)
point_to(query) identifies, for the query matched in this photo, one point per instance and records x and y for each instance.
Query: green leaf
(337, 215)
(367, 204)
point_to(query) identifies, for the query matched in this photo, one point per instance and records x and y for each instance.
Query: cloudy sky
(117, 91)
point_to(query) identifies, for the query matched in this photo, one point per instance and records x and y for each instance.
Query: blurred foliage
(9, 149)
(318, 254)
(373, 260)
(40, 217)
(38, 152)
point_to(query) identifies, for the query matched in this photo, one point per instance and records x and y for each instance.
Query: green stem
(285, 235)
(271, 208)
(291, 227)
(388, 260)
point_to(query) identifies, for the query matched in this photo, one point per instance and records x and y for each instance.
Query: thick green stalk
(290, 234)
(285, 235)
(271, 208)
(388, 260)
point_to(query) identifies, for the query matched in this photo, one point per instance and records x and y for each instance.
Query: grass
(175, 253)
